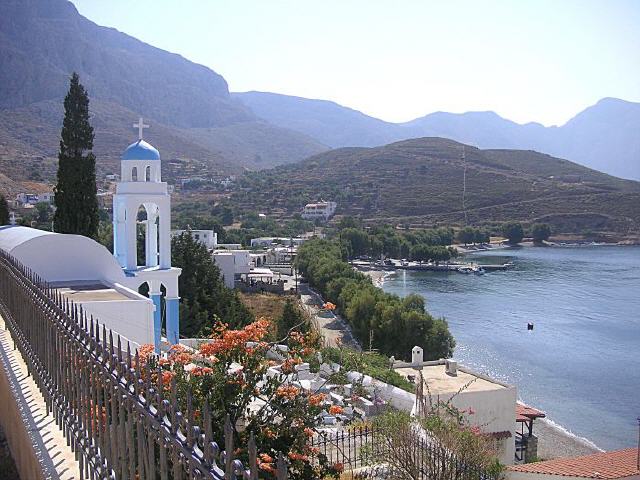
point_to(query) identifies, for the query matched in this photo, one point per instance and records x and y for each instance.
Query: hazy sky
(531, 60)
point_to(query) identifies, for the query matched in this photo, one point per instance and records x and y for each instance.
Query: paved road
(334, 330)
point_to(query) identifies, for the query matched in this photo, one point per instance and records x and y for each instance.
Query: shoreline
(556, 441)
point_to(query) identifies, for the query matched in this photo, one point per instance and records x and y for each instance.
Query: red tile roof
(607, 465)
(525, 413)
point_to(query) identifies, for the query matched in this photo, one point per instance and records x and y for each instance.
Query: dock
(427, 267)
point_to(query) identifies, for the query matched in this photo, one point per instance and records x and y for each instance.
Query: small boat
(465, 269)
(478, 271)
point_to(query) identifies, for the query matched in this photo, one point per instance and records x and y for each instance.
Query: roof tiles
(606, 465)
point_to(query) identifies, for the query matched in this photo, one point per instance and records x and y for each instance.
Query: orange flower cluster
(145, 352)
(265, 462)
(288, 366)
(179, 354)
(200, 371)
(225, 340)
(298, 456)
(317, 399)
(308, 432)
(335, 410)
(167, 376)
(288, 391)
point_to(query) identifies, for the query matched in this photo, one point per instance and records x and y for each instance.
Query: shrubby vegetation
(469, 235)
(226, 375)
(420, 245)
(513, 232)
(540, 232)
(215, 216)
(369, 363)
(390, 324)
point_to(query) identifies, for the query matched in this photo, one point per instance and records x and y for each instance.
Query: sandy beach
(554, 442)
(377, 276)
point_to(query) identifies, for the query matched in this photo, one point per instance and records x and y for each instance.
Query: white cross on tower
(140, 125)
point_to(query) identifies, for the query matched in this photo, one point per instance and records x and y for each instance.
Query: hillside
(420, 181)
(188, 105)
(603, 137)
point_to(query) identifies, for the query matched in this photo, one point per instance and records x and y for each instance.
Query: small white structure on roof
(142, 198)
(84, 271)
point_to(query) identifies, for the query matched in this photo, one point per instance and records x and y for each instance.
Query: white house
(208, 238)
(232, 264)
(491, 405)
(319, 211)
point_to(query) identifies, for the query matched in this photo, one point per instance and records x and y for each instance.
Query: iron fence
(118, 423)
(366, 453)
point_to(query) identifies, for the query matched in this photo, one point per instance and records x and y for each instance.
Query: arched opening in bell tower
(147, 173)
(147, 235)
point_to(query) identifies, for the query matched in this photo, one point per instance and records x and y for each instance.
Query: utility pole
(464, 184)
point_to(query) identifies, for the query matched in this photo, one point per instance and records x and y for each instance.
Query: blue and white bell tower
(142, 199)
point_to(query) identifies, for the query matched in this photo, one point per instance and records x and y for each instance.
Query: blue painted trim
(157, 321)
(173, 320)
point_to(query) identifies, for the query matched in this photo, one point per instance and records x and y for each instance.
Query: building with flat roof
(489, 404)
(319, 211)
(208, 238)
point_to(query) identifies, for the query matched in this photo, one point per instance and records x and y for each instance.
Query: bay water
(581, 362)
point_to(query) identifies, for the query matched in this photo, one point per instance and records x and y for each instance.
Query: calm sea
(581, 363)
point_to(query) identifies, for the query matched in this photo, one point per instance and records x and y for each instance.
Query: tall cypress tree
(76, 201)
(4, 211)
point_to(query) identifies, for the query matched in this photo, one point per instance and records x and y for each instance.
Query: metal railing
(363, 452)
(119, 424)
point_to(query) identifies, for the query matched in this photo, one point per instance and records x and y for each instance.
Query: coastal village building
(319, 211)
(208, 238)
(491, 405)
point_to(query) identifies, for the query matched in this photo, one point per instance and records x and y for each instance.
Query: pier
(393, 265)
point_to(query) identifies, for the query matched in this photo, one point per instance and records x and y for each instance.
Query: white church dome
(141, 150)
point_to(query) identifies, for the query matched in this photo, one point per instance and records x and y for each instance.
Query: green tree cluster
(391, 325)
(540, 232)
(204, 296)
(513, 232)
(426, 244)
(4, 211)
(469, 235)
(75, 199)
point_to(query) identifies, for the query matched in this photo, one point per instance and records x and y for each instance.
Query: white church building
(105, 285)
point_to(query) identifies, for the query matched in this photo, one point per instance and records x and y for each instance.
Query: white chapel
(107, 286)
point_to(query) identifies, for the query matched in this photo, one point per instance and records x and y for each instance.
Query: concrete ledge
(37, 445)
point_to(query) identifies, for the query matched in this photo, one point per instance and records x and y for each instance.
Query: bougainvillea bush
(231, 373)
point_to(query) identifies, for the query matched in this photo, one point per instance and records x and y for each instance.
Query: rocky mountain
(188, 105)
(604, 136)
(420, 182)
